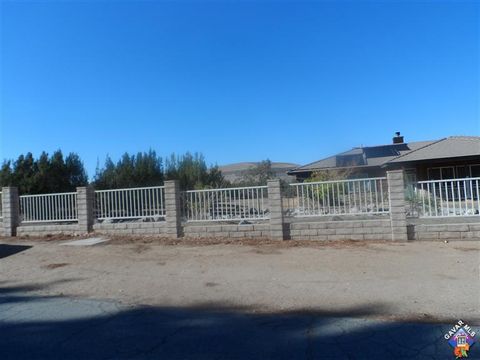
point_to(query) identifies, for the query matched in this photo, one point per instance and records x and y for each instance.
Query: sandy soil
(419, 280)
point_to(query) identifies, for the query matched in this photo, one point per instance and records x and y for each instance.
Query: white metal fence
(1, 214)
(48, 207)
(445, 198)
(132, 203)
(249, 203)
(339, 197)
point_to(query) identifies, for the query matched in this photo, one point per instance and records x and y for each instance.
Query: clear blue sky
(238, 81)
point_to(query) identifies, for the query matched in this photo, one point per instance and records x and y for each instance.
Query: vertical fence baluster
(471, 196)
(332, 200)
(459, 197)
(447, 200)
(453, 197)
(441, 199)
(303, 201)
(478, 198)
(423, 199)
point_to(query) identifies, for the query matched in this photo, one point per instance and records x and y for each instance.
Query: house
(447, 158)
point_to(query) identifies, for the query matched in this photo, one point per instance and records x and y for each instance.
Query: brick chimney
(397, 139)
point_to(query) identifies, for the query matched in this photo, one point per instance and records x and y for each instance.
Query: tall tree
(75, 171)
(258, 175)
(42, 176)
(143, 169)
(147, 169)
(23, 173)
(6, 173)
(45, 174)
(192, 172)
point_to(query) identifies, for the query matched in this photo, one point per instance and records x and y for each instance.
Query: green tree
(192, 172)
(143, 169)
(23, 173)
(215, 178)
(258, 175)
(148, 169)
(57, 172)
(105, 177)
(75, 171)
(6, 173)
(45, 174)
(324, 192)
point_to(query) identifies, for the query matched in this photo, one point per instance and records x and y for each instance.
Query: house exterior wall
(421, 168)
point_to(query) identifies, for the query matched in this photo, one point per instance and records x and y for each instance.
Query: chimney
(397, 139)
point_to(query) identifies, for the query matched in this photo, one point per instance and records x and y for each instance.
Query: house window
(434, 174)
(466, 171)
(410, 176)
(475, 170)
(463, 172)
(441, 173)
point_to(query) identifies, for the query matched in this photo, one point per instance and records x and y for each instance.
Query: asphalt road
(36, 327)
(383, 302)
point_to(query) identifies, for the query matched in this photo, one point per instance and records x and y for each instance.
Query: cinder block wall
(341, 230)
(10, 210)
(129, 228)
(217, 230)
(396, 195)
(47, 229)
(451, 229)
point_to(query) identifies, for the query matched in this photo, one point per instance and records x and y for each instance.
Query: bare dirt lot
(429, 281)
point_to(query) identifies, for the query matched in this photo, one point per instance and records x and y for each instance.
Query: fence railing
(339, 197)
(48, 207)
(132, 203)
(1, 214)
(444, 198)
(249, 203)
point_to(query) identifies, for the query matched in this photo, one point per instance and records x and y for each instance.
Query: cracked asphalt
(66, 328)
(91, 303)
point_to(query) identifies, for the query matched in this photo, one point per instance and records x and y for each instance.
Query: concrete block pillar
(85, 208)
(172, 208)
(10, 210)
(276, 210)
(396, 192)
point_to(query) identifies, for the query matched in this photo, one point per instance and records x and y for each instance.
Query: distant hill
(234, 172)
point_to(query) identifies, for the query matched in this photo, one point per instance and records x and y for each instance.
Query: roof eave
(297, 171)
(439, 159)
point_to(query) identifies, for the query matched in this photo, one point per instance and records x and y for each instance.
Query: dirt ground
(430, 281)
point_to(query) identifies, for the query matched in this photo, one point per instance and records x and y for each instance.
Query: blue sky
(238, 81)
